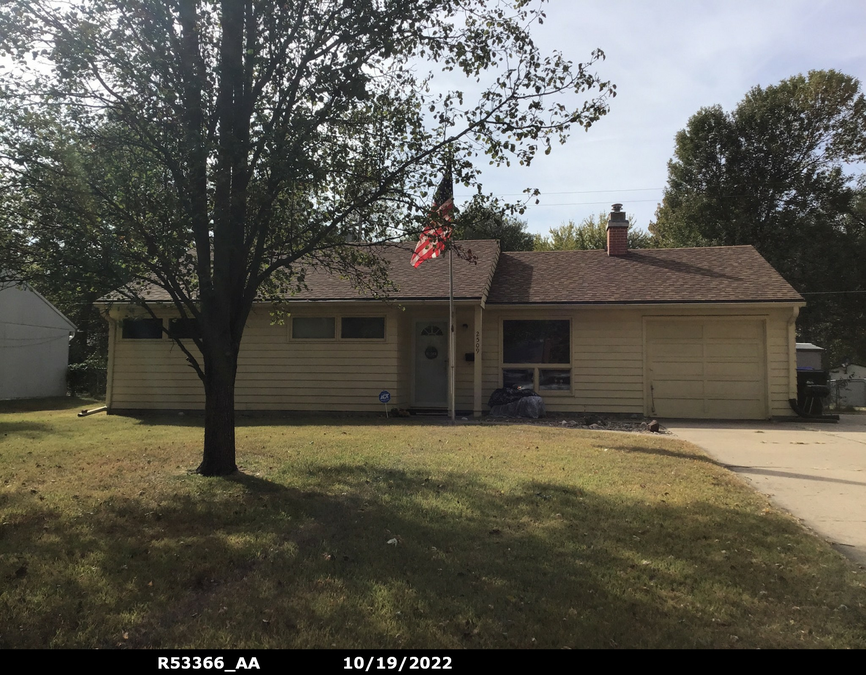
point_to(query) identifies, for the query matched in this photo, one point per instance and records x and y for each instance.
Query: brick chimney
(617, 232)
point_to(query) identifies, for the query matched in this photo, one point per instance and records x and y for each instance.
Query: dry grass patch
(505, 537)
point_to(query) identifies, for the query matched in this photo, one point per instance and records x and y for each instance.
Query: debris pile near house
(514, 402)
(631, 423)
(616, 423)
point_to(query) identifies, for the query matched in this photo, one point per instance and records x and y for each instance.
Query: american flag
(433, 238)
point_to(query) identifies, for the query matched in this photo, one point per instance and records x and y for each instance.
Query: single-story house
(697, 332)
(34, 344)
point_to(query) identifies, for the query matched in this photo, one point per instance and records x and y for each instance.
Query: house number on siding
(478, 342)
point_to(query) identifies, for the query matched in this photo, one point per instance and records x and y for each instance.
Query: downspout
(792, 363)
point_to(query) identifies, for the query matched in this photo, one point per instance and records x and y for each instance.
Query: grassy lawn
(506, 536)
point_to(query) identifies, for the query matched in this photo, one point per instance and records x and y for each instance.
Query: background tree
(836, 320)
(490, 219)
(776, 173)
(58, 246)
(591, 233)
(227, 146)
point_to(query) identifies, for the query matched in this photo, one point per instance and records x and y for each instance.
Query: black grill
(812, 389)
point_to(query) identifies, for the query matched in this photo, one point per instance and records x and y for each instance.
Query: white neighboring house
(850, 372)
(34, 344)
(848, 386)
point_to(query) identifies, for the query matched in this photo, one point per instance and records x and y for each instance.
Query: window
(525, 343)
(351, 328)
(554, 380)
(535, 342)
(142, 329)
(313, 327)
(183, 328)
(362, 327)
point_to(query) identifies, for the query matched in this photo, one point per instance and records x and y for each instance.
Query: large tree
(779, 172)
(226, 145)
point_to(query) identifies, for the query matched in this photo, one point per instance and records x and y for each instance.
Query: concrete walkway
(815, 471)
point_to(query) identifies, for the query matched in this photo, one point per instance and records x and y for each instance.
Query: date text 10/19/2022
(398, 664)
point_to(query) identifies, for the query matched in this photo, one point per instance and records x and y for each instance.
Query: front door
(431, 364)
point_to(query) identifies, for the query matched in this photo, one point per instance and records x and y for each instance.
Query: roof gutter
(602, 304)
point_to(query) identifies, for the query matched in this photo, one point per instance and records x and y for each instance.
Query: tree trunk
(219, 418)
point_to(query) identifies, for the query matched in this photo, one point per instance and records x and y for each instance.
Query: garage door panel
(680, 407)
(677, 351)
(734, 389)
(735, 351)
(678, 330)
(673, 369)
(707, 368)
(732, 370)
(678, 388)
(735, 330)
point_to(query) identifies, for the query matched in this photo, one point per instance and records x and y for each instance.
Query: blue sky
(669, 59)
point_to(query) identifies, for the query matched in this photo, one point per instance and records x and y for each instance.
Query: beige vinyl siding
(112, 355)
(607, 362)
(608, 352)
(274, 371)
(405, 360)
(328, 374)
(782, 362)
(152, 374)
(606, 358)
(464, 376)
(491, 344)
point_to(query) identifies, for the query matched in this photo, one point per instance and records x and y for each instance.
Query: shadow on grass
(249, 562)
(37, 404)
(11, 429)
(284, 419)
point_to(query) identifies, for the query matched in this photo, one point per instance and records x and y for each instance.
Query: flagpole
(452, 347)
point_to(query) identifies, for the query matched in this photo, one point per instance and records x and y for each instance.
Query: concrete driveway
(815, 471)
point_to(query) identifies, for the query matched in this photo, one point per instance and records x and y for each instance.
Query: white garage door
(707, 368)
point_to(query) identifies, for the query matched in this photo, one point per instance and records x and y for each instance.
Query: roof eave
(489, 284)
(294, 301)
(649, 303)
(72, 327)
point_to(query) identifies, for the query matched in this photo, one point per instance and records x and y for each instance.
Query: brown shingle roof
(429, 281)
(711, 274)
